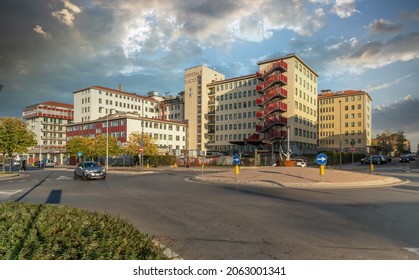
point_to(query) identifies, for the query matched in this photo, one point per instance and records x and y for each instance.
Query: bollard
(372, 168)
(236, 171)
(322, 172)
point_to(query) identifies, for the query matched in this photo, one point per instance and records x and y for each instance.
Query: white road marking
(413, 250)
(64, 178)
(9, 193)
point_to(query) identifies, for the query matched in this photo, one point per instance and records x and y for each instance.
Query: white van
(50, 163)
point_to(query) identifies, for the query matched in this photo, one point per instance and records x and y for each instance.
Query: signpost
(321, 159)
(140, 157)
(236, 162)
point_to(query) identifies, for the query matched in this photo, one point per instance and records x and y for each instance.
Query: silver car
(89, 170)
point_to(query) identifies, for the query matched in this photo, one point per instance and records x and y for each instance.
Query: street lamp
(107, 139)
(340, 134)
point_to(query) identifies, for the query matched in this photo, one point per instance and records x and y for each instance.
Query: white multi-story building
(161, 118)
(94, 102)
(48, 120)
(169, 136)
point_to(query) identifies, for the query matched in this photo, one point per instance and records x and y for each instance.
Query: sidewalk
(298, 177)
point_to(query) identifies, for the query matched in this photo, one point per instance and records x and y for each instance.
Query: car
(301, 162)
(376, 159)
(412, 156)
(89, 170)
(49, 163)
(404, 158)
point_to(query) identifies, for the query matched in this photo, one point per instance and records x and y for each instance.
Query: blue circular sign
(236, 159)
(79, 154)
(321, 159)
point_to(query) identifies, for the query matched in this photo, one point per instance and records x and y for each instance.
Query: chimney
(121, 87)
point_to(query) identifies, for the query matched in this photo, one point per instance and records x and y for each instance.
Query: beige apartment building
(196, 106)
(254, 109)
(231, 113)
(288, 96)
(344, 121)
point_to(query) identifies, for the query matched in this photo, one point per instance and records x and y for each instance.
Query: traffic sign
(140, 149)
(321, 159)
(236, 159)
(352, 149)
(79, 154)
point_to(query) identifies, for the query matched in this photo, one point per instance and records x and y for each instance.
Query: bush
(49, 232)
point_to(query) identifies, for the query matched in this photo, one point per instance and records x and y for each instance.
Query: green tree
(392, 142)
(100, 146)
(80, 144)
(15, 137)
(135, 138)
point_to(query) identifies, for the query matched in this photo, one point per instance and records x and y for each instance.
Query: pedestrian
(23, 165)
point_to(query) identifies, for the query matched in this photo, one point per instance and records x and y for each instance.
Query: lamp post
(352, 150)
(288, 143)
(142, 136)
(107, 139)
(340, 134)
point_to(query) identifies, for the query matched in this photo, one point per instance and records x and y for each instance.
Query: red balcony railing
(270, 81)
(277, 65)
(272, 93)
(271, 121)
(273, 107)
(273, 134)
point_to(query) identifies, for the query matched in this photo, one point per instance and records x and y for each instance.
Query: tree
(93, 147)
(80, 144)
(100, 146)
(392, 142)
(135, 138)
(15, 137)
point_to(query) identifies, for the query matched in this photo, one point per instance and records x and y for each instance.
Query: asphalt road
(204, 221)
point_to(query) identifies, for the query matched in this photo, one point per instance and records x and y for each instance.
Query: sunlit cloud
(38, 29)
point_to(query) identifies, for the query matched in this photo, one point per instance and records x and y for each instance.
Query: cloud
(371, 88)
(350, 56)
(411, 15)
(39, 29)
(403, 114)
(66, 15)
(344, 8)
(383, 26)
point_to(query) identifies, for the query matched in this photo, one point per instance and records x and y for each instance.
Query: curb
(352, 185)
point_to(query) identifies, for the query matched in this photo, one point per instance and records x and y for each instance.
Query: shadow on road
(33, 188)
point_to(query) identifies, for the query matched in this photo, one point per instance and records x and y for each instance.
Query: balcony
(271, 135)
(270, 122)
(279, 65)
(277, 92)
(279, 79)
(271, 108)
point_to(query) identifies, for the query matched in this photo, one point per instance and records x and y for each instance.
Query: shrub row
(50, 232)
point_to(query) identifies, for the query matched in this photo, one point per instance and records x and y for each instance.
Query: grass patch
(50, 232)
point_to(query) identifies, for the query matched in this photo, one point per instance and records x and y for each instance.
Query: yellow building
(344, 121)
(294, 102)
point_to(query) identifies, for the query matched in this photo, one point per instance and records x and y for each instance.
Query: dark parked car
(89, 170)
(404, 158)
(376, 159)
(412, 156)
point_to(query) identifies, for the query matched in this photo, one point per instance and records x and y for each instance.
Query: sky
(51, 48)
